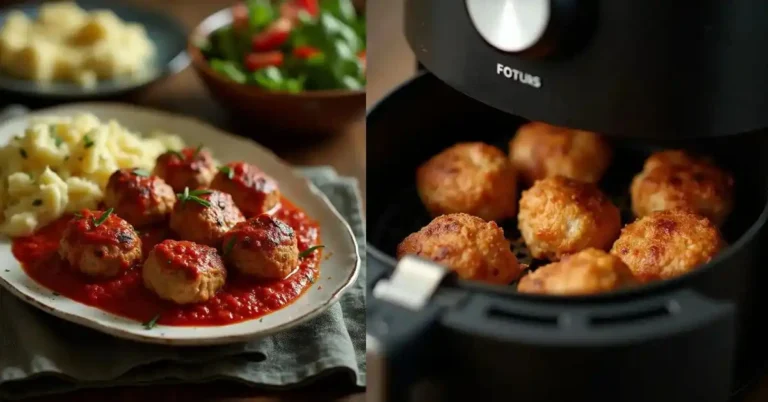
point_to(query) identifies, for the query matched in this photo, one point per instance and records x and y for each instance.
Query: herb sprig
(309, 251)
(140, 172)
(227, 171)
(228, 246)
(177, 154)
(194, 196)
(102, 218)
(152, 322)
(87, 141)
(197, 151)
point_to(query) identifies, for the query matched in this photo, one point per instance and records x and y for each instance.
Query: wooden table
(185, 94)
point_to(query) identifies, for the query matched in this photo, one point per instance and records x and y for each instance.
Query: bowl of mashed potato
(86, 48)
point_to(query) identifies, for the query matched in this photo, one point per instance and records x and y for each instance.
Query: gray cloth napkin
(41, 354)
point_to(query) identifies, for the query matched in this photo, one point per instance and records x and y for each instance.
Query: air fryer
(648, 75)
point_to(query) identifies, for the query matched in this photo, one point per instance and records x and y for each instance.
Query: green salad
(291, 45)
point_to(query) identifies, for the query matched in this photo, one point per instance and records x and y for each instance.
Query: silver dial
(510, 25)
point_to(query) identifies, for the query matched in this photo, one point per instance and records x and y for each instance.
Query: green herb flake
(194, 196)
(177, 154)
(78, 215)
(309, 251)
(38, 202)
(227, 171)
(23, 153)
(152, 322)
(87, 141)
(229, 246)
(140, 172)
(58, 140)
(197, 151)
(103, 217)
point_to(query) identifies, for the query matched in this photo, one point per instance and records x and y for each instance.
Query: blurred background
(185, 93)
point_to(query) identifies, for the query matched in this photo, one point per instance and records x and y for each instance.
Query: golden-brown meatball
(205, 216)
(184, 272)
(190, 167)
(540, 150)
(99, 243)
(560, 216)
(254, 192)
(472, 178)
(139, 198)
(474, 248)
(263, 247)
(589, 271)
(674, 179)
(668, 243)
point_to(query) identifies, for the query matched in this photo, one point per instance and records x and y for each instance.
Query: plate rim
(205, 340)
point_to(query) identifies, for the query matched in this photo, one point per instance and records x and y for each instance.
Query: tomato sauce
(242, 298)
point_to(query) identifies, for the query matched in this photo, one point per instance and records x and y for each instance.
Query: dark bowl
(304, 114)
(168, 36)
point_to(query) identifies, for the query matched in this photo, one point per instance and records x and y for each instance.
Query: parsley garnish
(38, 202)
(58, 140)
(194, 196)
(178, 154)
(140, 172)
(229, 246)
(103, 217)
(309, 251)
(23, 153)
(227, 171)
(197, 151)
(151, 323)
(88, 141)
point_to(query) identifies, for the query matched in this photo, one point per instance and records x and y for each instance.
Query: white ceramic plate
(337, 272)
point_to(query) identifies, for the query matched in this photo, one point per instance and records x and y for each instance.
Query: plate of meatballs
(221, 242)
(539, 213)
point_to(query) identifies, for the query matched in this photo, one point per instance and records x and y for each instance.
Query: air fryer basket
(432, 116)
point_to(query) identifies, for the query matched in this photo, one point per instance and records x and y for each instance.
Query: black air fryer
(646, 74)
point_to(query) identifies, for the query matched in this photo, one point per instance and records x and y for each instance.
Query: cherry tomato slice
(257, 61)
(305, 52)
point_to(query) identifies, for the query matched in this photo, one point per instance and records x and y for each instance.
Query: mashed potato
(60, 165)
(67, 43)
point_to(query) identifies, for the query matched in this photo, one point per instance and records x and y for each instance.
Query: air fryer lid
(623, 68)
(497, 326)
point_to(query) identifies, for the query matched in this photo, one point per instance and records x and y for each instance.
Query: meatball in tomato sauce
(204, 216)
(184, 272)
(138, 197)
(190, 167)
(100, 244)
(254, 192)
(263, 247)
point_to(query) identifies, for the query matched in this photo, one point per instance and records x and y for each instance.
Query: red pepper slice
(257, 61)
(273, 37)
(305, 52)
